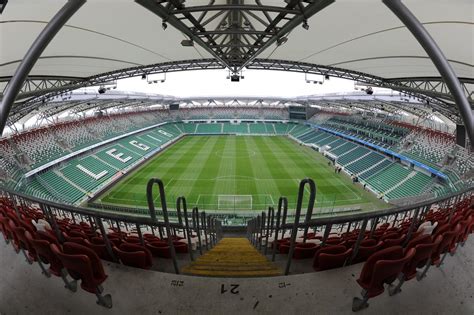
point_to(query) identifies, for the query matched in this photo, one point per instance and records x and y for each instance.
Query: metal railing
(188, 224)
(259, 229)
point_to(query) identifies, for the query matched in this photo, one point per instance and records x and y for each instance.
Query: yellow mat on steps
(232, 257)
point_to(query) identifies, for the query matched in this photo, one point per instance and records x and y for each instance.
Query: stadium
(237, 156)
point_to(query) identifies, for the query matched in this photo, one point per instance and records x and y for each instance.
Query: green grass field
(222, 172)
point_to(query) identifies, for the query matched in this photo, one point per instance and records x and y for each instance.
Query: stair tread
(232, 257)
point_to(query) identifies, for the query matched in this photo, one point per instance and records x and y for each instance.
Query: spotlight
(187, 43)
(234, 78)
(305, 25)
(143, 76)
(164, 25)
(101, 90)
(369, 91)
(3, 4)
(327, 77)
(281, 41)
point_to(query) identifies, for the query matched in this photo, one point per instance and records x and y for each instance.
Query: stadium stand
(373, 131)
(37, 147)
(430, 147)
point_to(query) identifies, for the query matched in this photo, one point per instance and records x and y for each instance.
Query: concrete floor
(23, 290)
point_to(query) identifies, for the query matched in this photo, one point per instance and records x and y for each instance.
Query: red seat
(382, 267)
(180, 247)
(25, 244)
(77, 233)
(305, 250)
(45, 254)
(81, 263)
(73, 239)
(330, 257)
(47, 236)
(284, 247)
(394, 239)
(421, 258)
(443, 248)
(422, 239)
(334, 240)
(159, 249)
(84, 264)
(133, 239)
(366, 249)
(134, 255)
(100, 250)
(150, 237)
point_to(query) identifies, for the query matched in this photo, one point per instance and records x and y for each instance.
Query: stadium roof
(363, 37)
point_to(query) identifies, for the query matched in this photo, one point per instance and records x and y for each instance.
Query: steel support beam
(32, 55)
(439, 98)
(439, 60)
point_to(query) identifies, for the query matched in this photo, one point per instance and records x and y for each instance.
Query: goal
(234, 202)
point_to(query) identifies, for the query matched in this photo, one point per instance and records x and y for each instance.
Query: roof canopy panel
(363, 35)
(366, 36)
(102, 36)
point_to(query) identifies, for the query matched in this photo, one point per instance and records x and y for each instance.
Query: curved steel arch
(430, 89)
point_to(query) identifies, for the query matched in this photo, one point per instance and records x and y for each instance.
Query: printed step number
(233, 288)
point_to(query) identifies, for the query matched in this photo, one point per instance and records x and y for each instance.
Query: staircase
(232, 257)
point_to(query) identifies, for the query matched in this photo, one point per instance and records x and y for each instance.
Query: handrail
(282, 206)
(299, 204)
(186, 222)
(151, 206)
(195, 217)
(377, 213)
(361, 222)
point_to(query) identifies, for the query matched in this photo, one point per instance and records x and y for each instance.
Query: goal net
(234, 202)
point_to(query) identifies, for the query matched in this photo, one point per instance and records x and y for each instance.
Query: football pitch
(232, 173)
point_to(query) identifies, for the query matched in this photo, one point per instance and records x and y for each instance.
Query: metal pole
(32, 55)
(439, 60)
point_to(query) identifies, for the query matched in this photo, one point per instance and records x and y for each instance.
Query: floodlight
(187, 43)
(281, 41)
(305, 25)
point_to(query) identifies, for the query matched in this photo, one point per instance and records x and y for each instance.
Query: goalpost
(234, 202)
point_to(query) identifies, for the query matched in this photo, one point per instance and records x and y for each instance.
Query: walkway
(232, 257)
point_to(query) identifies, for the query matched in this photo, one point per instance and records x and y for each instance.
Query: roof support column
(32, 55)
(439, 60)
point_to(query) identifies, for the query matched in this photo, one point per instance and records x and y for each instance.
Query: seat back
(100, 250)
(365, 252)
(134, 255)
(422, 255)
(159, 249)
(395, 241)
(74, 239)
(329, 257)
(72, 248)
(24, 243)
(44, 252)
(81, 263)
(386, 271)
(422, 239)
(47, 237)
(391, 253)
